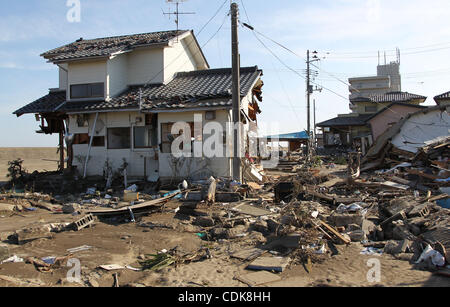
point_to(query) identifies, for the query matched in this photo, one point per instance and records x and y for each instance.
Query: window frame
(89, 89)
(108, 137)
(170, 125)
(152, 137)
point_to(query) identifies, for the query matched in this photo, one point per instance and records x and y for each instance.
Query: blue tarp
(290, 136)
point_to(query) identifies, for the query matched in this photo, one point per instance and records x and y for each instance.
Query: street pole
(237, 176)
(314, 128)
(308, 98)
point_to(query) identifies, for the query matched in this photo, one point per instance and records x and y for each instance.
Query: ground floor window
(167, 137)
(119, 138)
(84, 139)
(145, 137)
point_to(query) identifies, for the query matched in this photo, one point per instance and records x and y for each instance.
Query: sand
(33, 159)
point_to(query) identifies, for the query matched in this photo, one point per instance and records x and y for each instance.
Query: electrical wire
(299, 56)
(188, 45)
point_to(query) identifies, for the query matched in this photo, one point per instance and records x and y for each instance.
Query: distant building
(370, 97)
(295, 140)
(388, 79)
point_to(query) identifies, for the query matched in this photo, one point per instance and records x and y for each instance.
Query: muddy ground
(124, 244)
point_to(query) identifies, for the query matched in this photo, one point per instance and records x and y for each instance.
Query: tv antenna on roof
(177, 12)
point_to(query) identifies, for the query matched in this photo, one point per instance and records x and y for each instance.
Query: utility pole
(308, 100)
(237, 175)
(309, 91)
(314, 128)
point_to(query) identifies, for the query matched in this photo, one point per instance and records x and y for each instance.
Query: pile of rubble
(278, 221)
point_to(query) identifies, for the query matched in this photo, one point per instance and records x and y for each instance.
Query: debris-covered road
(304, 226)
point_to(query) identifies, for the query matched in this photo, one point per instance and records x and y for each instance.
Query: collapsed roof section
(411, 134)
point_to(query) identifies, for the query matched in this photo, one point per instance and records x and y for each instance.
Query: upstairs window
(92, 90)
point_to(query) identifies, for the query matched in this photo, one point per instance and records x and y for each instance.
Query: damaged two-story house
(118, 98)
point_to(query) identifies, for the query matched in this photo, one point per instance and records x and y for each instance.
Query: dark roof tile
(389, 97)
(186, 90)
(359, 120)
(108, 45)
(45, 104)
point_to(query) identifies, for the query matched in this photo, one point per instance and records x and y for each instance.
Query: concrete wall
(383, 121)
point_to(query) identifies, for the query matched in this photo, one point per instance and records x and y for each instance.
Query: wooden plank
(422, 174)
(145, 205)
(408, 183)
(335, 232)
(331, 183)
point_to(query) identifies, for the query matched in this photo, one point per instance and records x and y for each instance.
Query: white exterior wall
(180, 59)
(87, 72)
(145, 64)
(134, 157)
(192, 167)
(63, 77)
(117, 75)
(158, 164)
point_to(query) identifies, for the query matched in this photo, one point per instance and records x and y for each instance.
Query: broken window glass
(84, 139)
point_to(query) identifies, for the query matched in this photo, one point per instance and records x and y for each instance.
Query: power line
(297, 73)
(389, 51)
(331, 56)
(279, 79)
(299, 56)
(288, 67)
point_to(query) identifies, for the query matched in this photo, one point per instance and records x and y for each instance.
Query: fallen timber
(136, 209)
